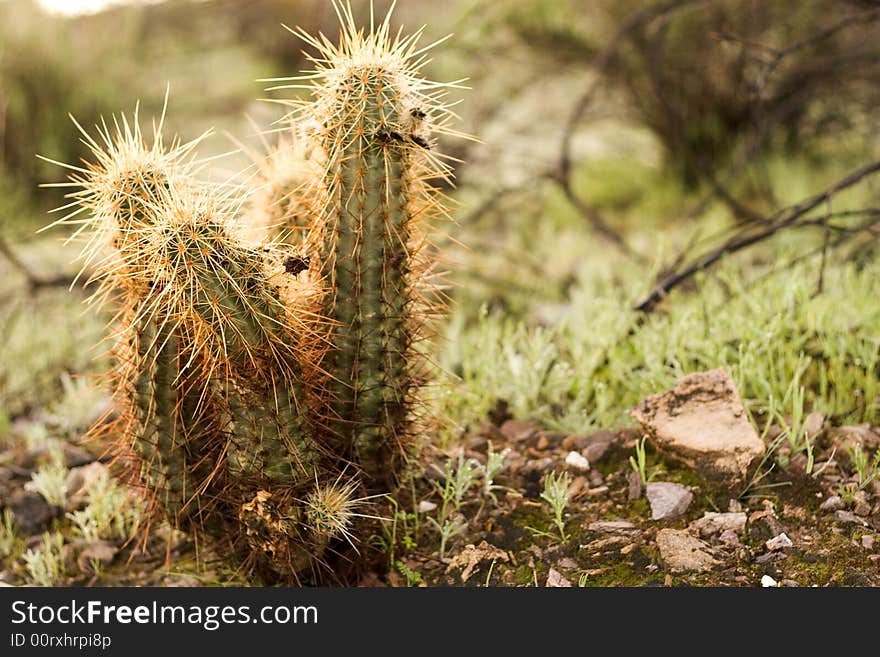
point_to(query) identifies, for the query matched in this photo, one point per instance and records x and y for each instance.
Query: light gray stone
(613, 527)
(577, 462)
(668, 500)
(555, 579)
(719, 523)
(833, 503)
(779, 542)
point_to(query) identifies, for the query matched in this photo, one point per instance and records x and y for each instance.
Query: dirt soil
(510, 537)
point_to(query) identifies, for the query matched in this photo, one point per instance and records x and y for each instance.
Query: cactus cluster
(266, 346)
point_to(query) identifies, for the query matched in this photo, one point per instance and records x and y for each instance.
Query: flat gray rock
(702, 423)
(613, 527)
(682, 553)
(833, 503)
(668, 500)
(718, 523)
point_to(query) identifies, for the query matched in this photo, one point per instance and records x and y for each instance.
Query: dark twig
(608, 55)
(781, 220)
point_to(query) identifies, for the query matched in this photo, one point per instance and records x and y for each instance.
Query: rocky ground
(713, 511)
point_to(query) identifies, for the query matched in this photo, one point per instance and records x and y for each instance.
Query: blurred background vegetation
(620, 141)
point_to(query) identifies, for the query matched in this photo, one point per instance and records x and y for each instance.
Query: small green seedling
(557, 494)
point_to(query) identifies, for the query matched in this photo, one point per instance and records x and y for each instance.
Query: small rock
(768, 582)
(763, 525)
(729, 537)
(846, 517)
(537, 465)
(101, 552)
(702, 422)
(635, 488)
(31, 512)
(579, 442)
(718, 523)
(668, 500)
(814, 423)
(595, 451)
(567, 563)
(552, 438)
(577, 462)
(779, 542)
(556, 580)
(849, 437)
(519, 430)
(734, 506)
(868, 542)
(425, 506)
(471, 556)
(833, 503)
(613, 527)
(681, 552)
(862, 507)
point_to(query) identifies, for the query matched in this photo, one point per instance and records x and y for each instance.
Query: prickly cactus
(267, 362)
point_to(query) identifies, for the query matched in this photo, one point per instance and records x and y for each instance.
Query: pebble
(717, 523)
(846, 517)
(555, 579)
(577, 462)
(595, 451)
(779, 542)
(635, 488)
(579, 442)
(768, 582)
(833, 503)
(668, 500)
(81, 478)
(862, 507)
(729, 537)
(425, 506)
(868, 542)
(613, 527)
(682, 552)
(677, 422)
(519, 430)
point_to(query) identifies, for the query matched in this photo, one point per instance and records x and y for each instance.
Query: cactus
(371, 111)
(267, 365)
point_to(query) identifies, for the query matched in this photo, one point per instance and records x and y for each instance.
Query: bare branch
(781, 220)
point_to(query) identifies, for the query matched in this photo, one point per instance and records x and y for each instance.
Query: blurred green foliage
(210, 54)
(711, 78)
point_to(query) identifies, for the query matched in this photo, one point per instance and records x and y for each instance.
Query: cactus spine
(266, 366)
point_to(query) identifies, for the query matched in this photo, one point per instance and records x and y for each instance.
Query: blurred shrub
(46, 72)
(210, 52)
(709, 77)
